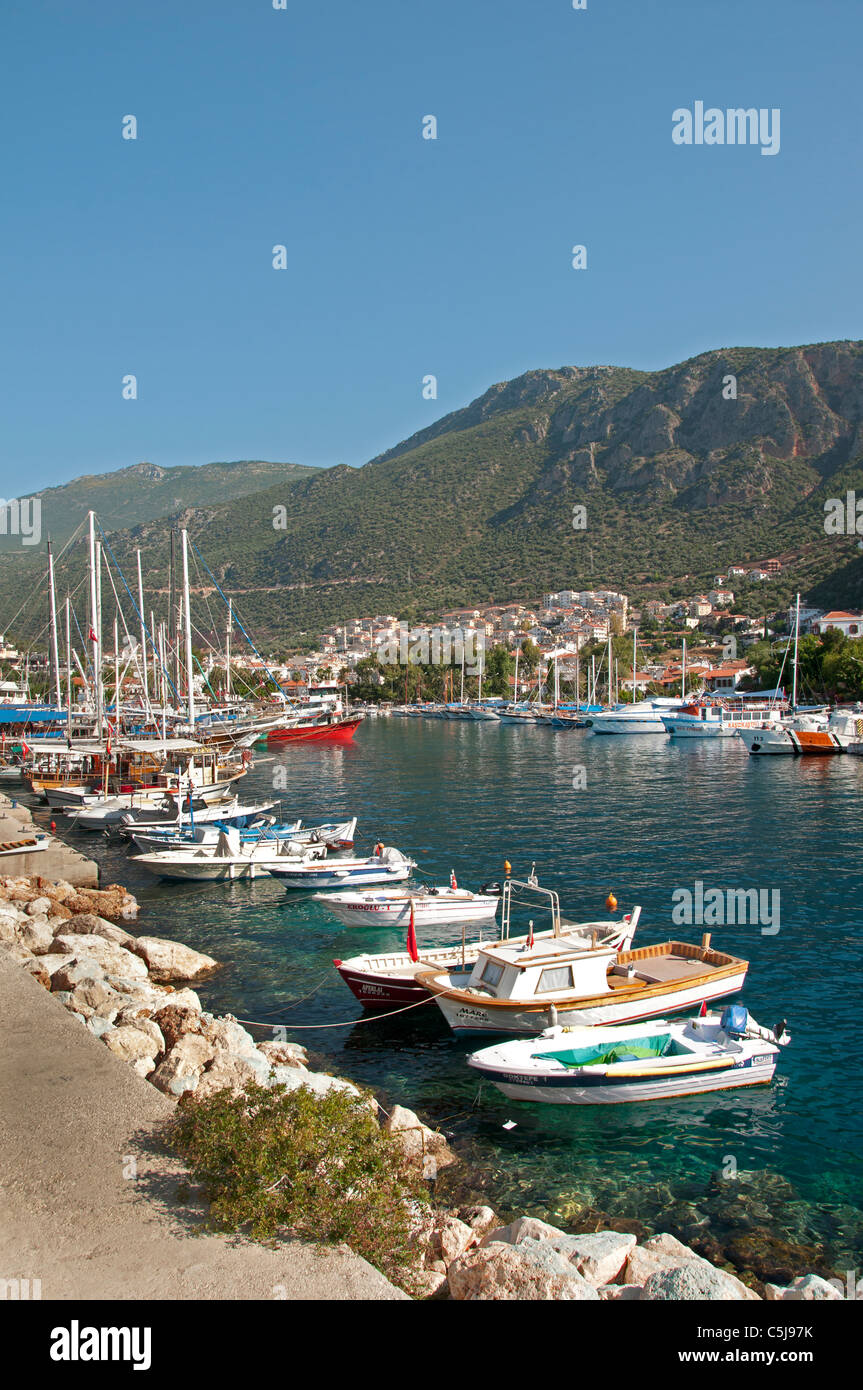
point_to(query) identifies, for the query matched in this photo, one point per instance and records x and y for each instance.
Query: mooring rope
(348, 1023)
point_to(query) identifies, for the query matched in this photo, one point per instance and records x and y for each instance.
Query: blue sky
(406, 256)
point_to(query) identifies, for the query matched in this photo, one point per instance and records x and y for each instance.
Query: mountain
(682, 472)
(145, 491)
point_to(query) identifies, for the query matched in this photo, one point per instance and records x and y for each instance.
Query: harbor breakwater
(135, 994)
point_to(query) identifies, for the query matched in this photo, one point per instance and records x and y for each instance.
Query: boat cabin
(554, 968)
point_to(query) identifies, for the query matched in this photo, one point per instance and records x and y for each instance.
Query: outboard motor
(490, 890)
(734, 1020)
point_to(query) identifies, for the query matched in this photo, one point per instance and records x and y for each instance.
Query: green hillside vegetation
(678, 482)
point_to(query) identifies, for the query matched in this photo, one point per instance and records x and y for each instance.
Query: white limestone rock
(529, 1271)
(170, 960)
(806, 1288)
(114, 959)
(131, 1044)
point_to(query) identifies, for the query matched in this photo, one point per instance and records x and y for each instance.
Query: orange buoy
(611, 903)
(53, 825)
(507, 867)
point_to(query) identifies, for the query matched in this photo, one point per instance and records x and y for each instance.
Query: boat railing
(543, 897)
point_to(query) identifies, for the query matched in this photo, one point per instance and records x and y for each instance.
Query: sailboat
(821, 732)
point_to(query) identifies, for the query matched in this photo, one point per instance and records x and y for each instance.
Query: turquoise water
(653, 816)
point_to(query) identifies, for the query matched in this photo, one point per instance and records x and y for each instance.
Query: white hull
(653, 1061)
(520, 1020)
(665, 1089)
(607, 724)
(390, 910)
(333, 876)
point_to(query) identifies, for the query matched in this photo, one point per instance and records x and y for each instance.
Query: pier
(56, 862)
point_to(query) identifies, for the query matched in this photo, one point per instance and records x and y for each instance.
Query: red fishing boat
(329, 729)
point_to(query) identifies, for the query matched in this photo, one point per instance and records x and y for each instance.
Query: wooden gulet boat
(525, 989)
(645, 1061)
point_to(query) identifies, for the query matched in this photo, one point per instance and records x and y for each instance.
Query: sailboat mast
(796, 649)
(517, 650)
(55, 655)
(94, 628)
(187, 621)
(116, 675)
(228, 649)
(68, 669)
(634, 659)
(143, 634)
(683, 673)
(610, 668)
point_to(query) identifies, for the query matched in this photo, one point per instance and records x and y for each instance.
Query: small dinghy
(392, 908)
(646, 1061)
(386, 865)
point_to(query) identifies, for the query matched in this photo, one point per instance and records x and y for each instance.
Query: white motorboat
(169, 817)
(645, 1061)
(817, 733)
(394, 908)
(720, 718)
(524, 989)
(388, 865)
(228, 859)
(335, 835)
(644, 717)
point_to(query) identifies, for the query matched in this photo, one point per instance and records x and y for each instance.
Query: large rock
(419, 1144)
(664, 1254)
(113, 902)
(181, 1070)
(9, 926)
(133, 1016)
(95, 996)
(36, 936)
(131, 1044)
(450, 1238)
(531, 1270)
(114, 959)
(55, 960)
(599, 1256)
(230, 1035)
(694, 1280)
(480, 1218)
(176, 1021)
(806, 1288)
(292, 1078)
(68, 976)
(284, 1054)
(228, 1071)
(38, 907)
(88, 924)
(169, 960)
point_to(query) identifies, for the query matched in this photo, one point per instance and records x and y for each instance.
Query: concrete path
(73, 1117)
(58, 861)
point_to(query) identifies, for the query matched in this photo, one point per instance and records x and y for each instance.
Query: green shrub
(289, 1162)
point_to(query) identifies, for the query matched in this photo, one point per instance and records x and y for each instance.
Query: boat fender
(378, 850)
(552, 1016)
